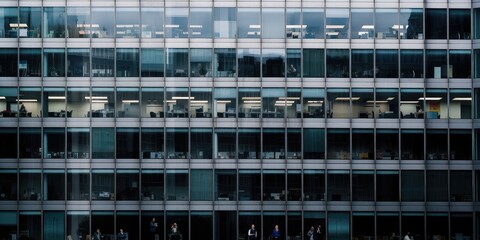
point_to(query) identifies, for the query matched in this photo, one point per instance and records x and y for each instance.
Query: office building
(356, 116)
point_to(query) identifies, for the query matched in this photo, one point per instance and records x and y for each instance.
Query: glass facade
(333, 120)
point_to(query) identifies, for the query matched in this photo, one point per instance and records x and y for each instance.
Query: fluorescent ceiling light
(332, 33)
(347, 98)
(378, 101)
(255, 106)
(196, 33)
(183, 98)
(16, 25)
(335, 26)
(390, 98)
(224, 101)
(295, 26)
(171, 101)
(314, 101)
(462, 99)
(368, 27)
(362, 33)
(408, 102)
(196, 26)
(282, 105)
(96, 97)
(284, 102)
(27, 100)
(251, 98)
(397, 26)
(430, 98)
(99, 101)
(289, 98)
(172, 25)
(253, 33)
(252, 101)
(56, 97)
(2, 97)
(255, 26)
(199, 101)
(130, 101)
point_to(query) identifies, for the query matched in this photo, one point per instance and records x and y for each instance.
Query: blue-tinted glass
(293, 23)
(460, 60)
(103, 22)
(436, 63)
(294, 63)
(273, 62)
(201, 185)
(103, 62)
(337, 63)
(30, 22)
(152, 62)
(54, 225)
(30, 64)
(78, 61)
(201, 62)
(225, 62)
(435, 23)
(362, 63)
(200, 23)
(273, 21)
(411, 63)
(54, 62)
(54, 22)
(128, 23)
(411, 23)
(338, 225)
(313, 20)
(78, 22)
(362, 24)
(248, 62)
(225, 22)
(249, 23)
(176, 22)
(177, 62)
(9, 27)
(8, 62)
(337, 23)
(127, 62)
(386, 63)
(152, 22)
(313, 63)
(386, 23)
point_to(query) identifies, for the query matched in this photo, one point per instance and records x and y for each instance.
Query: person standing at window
(276, 233)
(252, 233)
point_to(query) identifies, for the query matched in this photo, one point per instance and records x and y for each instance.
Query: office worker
(153, 228)
(276, 233)
(252, 233)
(97, 235)
(121, 235)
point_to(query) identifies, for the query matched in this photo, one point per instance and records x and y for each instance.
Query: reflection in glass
(436, 23)
(103, 22)
(459, 23)
(128, 103)
(152, 22)
(177, 62)
(411, 63)
(273, 21)
(201, 183)
(30, 143)
(128, 23)
(200, 23)
(225, 143)
(176, 22)
(313, 103)
(338, 63)
(386, 63)
(127, 143)
(293, 23)
(152, 103)
(337, 23)
(152, 62)
(54, 22)
(248, 62)
(273, 62)
(78, 184)
(8, 62)
(103, 143)
(411, 23)
(177, 185)
(436, 63)
(200, 62)
(314, 143)
(460, 64)
(225, 22)
(30, 64)
(32, 18)
(103, 62)
(225, 62)
(103, 184)
(78, 62)
(127, 62)
(78, 22)
(9, 28)
(54, 62)
(201, 143)
(313, 20)
(54, 184)
(313, 63)
(386, 23)
(362, 63)
(78, 142)
(249, 23)
(362, 24)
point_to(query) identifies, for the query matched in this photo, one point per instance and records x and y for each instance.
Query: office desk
(271, 114)
(177, 114)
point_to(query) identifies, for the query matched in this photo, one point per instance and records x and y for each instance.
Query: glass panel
(201, 143)
(273, 21)
(386, 102)
(413, 187)
(363, 225)
(436, 23)
(387, 144)
(30, 184)
(103, 143)
(127, 224)
(153, 185)
(200, 62)
(437, 225)
(8, 62)
(152, 102)
(273, 143)
(200, 23)
(249, 23)
(54, 22)
(338, 103)
(78, 142)
(294, 185)
(273, 62)
(104, 221)
(362, 24)
(337, 23)
(459, 23)
(127, 143)
(54, 62)
(294, 224)
(8, 185)
(313, 63)
(363, 186)
(152, 224)
(249, 102)
(201, 103)
(53, 225)
(177, 62)
(177, 102)
(313, 103)
(460, 105)
(78, 62)
(362, 144)
(177, 185)
(411, 23)
(225, 185)
(78, 22)
(460, 186)
(387, 186)
(411, 103)
(127, 62)
(225, 22)
(437, 185)
(386, 63)
(54, 185)
(460, 64)
(411, 63)
(274, 223)
(78, 185)
(338, 143)
(249, 185)
(436, 102)
(152, 143)
(30, 64)
(386, 23)
(201, 226)
(30, 224)
(128, 23)
(177, 143)
(103, 185)
(316, 219)
(103, 102)
(32, 18)
(437, 144)
(461, 225)
(338, 185)
(362, 99)
(127, 185)
(460, 144)
(362, 63)
(8, 102)
(128, 103)
(30, 143)
(274, 102)
(225, 103)
(387, 225)
(294, 143)
(176, 22)
(249, 62)
(476, 22)
(152, 62)
(314, 143)
(152, 22)
(338, 225)
(201, 185)
(103, 22)
(337, 63)
(313, 20)
(54, 102)
(54, 142)
(103, 62)
(274, 185)
(293, 23)
(225, 143)
(412, 144)
(225, 62)
(294, 62)
(9, 27)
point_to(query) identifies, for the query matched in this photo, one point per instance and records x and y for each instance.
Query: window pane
(362, 63)
(128, 22)
(152, 102)
(313, 63)
(30, 143)
(54, 62)
(386, 23)
(177, 62)
(314, 185)
(8, 62)
(127, 62)
(460, 144)
(314, 143)
(177, 143)
(313, 20)
(102, 22)
(200, 62)
(338, 188)
(152, 143)
(78, 184)
(8, 185)
(387, 144)
(201, 143)
(337, 23)
(32, 17)
(386, 63)
(176, 22)
(54, 142)
(437, 185)
(459, 23)
(363, 186)
(54, 22)
(78, 142)
(460, 64)
(9, 27)
(293, 24)
(411, 63)
(249, 185)
(249, 102)
(103, 144)
(103, 62)
(78, 22)
(436, 23)
(248, 62)
(152, 22)
(200, 23)
(387, 186)
(152, 62)
(437, 144)
(338, 144)
(460, 186)
(54, 185)
(30, 184)
(436, 63)
(201, 185)
(273, 62)
(412, 144)
(30, 64)
(413, 186)
(177, 185)
(127, 143)
(294, 62)
(337, 63)
(78, 62)
(362, 23)
(225, 62)
(225, 22)
(273, 21)
(411, 23)
(103, 184)
(127, 183)
(225, 185)
(249, 23)
(153, 185)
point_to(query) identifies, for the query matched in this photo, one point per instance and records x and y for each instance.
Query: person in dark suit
(121, 235)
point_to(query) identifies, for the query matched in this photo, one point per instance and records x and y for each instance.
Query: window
(103, 19)
(127, 143)
(225, 62)
(460, 64)
(294, 62)
(53, 184)
(337, 23)
(9, 27)
(460, 144)
(128, 103)
(386, 65)
(249, 23)
(30, 64)
(8, 185)
(273, 21)
(78, 22)
(102, 103)
(177, 62)
(436, 23)
(314, 185)
(201, 183)
(437, 144)
(200, 62)
(127, 23)
(460, 103)
(273, 143)
(78, 184)
(293, 23)
(103, 143)
(386, 102)
(30, 143)
(338, 103)
(249, 62)
(437, 186)
(387, 144)
(200, 102)
(201, 143)
(53, 143)
(177, 143)
(338, 63)
(412, 144)
(54, 62)
(30, 181)
(314, 22)
(338, 143)
(387, 185)
(127, 183)
(8, 62)
(413, 185)
(177, 185)
(362, 99)
(225, 185)
(225, 22)
(314, 143)
(103, 184)
(249, 185)
(363, 185)
(362, 144)
(411, 63)
(176, 22)
(32, 18)
(200, 23)
(78, 142)
(78, 62)
(152, 143)
(338, 188)
(273, 102)
(459, 23)
(225, 103)
(460, 186)
(152, 62)
(313, 63)
(152, 22)
(249, 102)
(152, 102)
(78, 224)
(54, 22)
(411, 23)
(103, 62)
(225, 142)
(386, 23)
(127, 62)
(362, 23)
(313, 103)
(362, 63)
